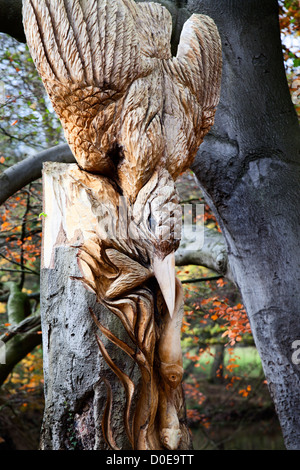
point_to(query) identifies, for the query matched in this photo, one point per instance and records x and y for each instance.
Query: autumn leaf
(5, 225)
(2, 308)
(239, 306)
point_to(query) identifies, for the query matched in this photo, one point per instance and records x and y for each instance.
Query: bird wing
(86, 52)
(98, 59)
(199, 56)
(154, 23)
(197, 71)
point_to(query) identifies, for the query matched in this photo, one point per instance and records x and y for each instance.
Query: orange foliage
(245, 391)
(20, 226)
(236, 321)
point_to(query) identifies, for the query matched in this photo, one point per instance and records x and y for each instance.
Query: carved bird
(128, 108)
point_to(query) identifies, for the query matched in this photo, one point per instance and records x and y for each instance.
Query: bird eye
(152, 223)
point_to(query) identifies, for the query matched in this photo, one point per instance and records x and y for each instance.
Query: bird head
(156, 228)
(130, 242)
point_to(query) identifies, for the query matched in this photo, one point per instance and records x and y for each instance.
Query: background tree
(248, 169)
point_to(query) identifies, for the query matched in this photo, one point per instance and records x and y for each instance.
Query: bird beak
(164, 271)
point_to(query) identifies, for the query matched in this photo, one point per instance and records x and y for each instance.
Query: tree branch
(32, 323)
(30, 169)
(201, 279)
(22, 238)
(16, 263)
(24, 333)
(209, 251)
(18, 347)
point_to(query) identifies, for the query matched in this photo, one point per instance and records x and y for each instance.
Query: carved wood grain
(134, 117)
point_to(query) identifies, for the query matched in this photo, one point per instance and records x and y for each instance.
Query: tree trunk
(217, 367)
(248, 168)
(75, 374)
(11, 19)
(75, 396)
(84, 404)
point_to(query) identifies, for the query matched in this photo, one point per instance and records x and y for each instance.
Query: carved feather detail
(127, 106)
(134, 117)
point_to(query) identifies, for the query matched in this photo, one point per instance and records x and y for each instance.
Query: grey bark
(22, 336)
(210, 252)
(75, 396)
(248, 168)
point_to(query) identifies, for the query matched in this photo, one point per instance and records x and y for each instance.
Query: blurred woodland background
(229, 406)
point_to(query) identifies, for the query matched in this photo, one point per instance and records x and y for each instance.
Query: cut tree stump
(75, 394)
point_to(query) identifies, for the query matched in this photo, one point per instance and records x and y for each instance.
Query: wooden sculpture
(134, 117)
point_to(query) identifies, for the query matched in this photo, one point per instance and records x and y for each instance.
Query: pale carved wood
(134, 117)
(108, 261)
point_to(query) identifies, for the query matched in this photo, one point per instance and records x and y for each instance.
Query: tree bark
(75, 396)
(248, 168)
(75, 373)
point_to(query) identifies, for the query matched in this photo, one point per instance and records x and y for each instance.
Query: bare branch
(30, 323)
(30, 169)
(210, 251)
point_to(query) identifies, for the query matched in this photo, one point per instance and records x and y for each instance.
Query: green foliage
(289, 18)
(71, 434)
(27, 124)
(27, 121)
